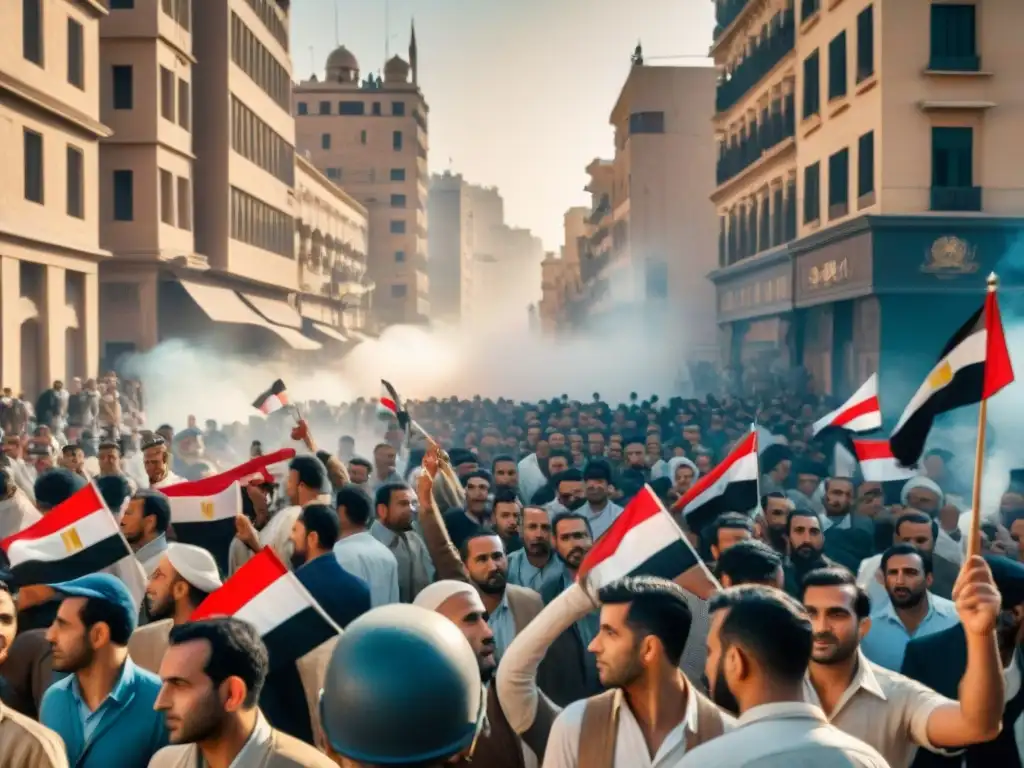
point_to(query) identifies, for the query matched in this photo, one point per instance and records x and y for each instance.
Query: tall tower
(412, 53)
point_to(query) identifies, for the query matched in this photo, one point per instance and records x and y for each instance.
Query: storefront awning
(327, 330)
(222, 305)
(276, 311)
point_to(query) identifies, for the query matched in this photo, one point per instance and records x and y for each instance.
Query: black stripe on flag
(739, 496)
(669, 562)
(215, 537)
(294, 638)
(93, 558)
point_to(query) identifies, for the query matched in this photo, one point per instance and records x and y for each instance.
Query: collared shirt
(256, 744)
(523, 573)
(601, 519)
(1013, 678)
(149, 554)
(362, 555)
(840, 524)
(503, 626)
(884, 709)
(886, 641)
(782, 735)
(415, 568)
(90, 718)
(631, 750)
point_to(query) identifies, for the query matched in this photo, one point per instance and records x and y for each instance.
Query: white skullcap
(434, 595)
(923, 483)
(195, 565)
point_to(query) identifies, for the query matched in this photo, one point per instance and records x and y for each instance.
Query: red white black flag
(729, 487)
(858, 414)
(274, 399)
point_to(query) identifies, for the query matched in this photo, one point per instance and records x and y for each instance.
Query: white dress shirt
(362, 555)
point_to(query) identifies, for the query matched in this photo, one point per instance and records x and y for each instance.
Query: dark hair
(772, 495)
(357, 504)
(829, 480)
(838, 577)
(236, 650)
(109, 445)
(748, 562)
(310, 470)
(478, 474)
(5, 587)
(154, 442)
(119, 624)
(568, 476)
(598, 469)
(800, 512)
(114, 489)
(503, 459)
(384, 493)
(356, 461)
(656, 607)
(479, 532)
(155, 503)
(70, 448)
(505, 495)
(323, 521)
(919, 518)
(770, 625)
(561, 517)
(725, 521)
(897, 550)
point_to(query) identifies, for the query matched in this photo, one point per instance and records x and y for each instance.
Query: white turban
(434, 595)
(924, 483)
(195, 565)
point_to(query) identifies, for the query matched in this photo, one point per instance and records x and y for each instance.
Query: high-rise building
(450, 247)
(369, 134)
(50, 128)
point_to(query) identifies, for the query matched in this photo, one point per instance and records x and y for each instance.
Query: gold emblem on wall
(950, 256)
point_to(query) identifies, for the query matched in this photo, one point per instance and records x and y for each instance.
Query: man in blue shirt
(103, 710)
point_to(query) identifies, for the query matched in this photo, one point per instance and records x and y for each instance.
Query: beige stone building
(900, 127)
(50, 252)
(560, 275)
(450, 247)
(370, 136)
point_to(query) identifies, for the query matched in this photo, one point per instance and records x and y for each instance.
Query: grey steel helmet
(405, 665)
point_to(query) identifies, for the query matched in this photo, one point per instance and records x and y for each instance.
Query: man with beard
(924, 495)
(759, 649)
(776, 508)
(506, 514)
(506, 472)
(213, 674)
(921, 531)
(359, 471)
(535, 565)
(599, 509)
(568, 489)
(461, 522)
(652, 715)
(912, 611)
(103, 710)
(887, 710)
(156, 460)
(185, 576)
(806, 545)
(393, 529)
(144, 524)
(849, 538)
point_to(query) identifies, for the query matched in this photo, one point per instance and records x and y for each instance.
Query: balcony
(956, 199)
(591, 265)
(600, 210)
(726, 13)
(771, 130)
(945, 63)
(761, 60)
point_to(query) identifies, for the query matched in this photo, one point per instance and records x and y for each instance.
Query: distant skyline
(519, 92)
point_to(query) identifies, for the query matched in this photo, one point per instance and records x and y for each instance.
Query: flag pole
(974, 542)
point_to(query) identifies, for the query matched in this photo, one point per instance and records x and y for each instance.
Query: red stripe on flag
(856, 411)
(81, 504)
(998, 367)
(211, 486)
(246, 583)
(642, 507)
(872, 450)
(747, 446)
(390, 404)
(282, 396)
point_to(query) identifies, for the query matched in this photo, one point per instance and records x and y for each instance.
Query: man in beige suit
(185, 576)
(212, 673)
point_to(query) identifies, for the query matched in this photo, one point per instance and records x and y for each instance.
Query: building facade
(50, 251)
(906, 194)
(560, 274)
(652, 219)
(450, 247)
(370, 136)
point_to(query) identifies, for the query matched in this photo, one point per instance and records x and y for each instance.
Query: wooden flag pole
(974, 542)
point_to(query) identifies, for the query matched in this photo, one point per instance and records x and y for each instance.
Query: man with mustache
(887, 710)
(776, 508)
(535, 565)
(600, 510)
(805, 532)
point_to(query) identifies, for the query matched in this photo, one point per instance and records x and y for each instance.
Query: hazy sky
(519, 90)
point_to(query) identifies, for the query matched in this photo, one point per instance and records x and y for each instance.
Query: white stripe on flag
(276, 604)
(885, 471)
(638, 545)
(271, 404)
(206, 509)
(743, 469)
(85, 532)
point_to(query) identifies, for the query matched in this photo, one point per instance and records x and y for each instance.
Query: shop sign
(760, 293)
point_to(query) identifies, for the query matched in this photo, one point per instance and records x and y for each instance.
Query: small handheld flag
(392, 405)
(274, 399)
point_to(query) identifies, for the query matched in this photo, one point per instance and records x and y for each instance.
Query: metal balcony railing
(765, 55)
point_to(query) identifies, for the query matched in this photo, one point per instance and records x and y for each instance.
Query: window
(32, 30)
(398, 174)
(866, 168)
(398, 108)
(180, 11)
(812, 85)
(75, 183)
(808, 8)
(351, 108)
(646, 122)
(166, 94)
(325, 141)
(303, 108)
(839, 184)
(837, 67)
(258, 143)
(396, 141)
(124, 196)
(184, 203)
(866, 43)
(185, 104)
(952, 157)
(362, 137)
(398, 201)
(124, 97)
(122, 5)
(397, 227)
(261, 66)
(33, 166)
(260, 225)
(270, 14)
(76, 54)
(166, 197)
(325, 107)
(812, 193)
(954, 38)
(398, 291)
(376, 108)
(778, 217)
(399, 256)
(334, 174)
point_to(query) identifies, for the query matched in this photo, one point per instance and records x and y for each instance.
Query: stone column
(10, 328)
(89, 322)
(53, 317)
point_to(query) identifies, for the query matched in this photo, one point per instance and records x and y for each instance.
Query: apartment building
(560, 275)
(450, 247)
(369, 134)
(908, 190)
(50, 251)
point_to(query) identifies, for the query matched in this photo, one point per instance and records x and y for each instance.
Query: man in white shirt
(359, 552)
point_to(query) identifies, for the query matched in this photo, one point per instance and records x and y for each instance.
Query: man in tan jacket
(24, 742)
(213, 672)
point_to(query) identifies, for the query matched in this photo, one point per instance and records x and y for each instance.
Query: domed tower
(396, 70)
(342, 66)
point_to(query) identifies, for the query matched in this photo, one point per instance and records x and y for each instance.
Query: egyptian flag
(974, 366)
(274, 399)
(266, 594)
(732, 486)
(390, 406)
(77, 537)
(858, 414)
(645, 541)
(878, 465)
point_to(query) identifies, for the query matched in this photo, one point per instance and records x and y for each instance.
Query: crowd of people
(850, 624)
